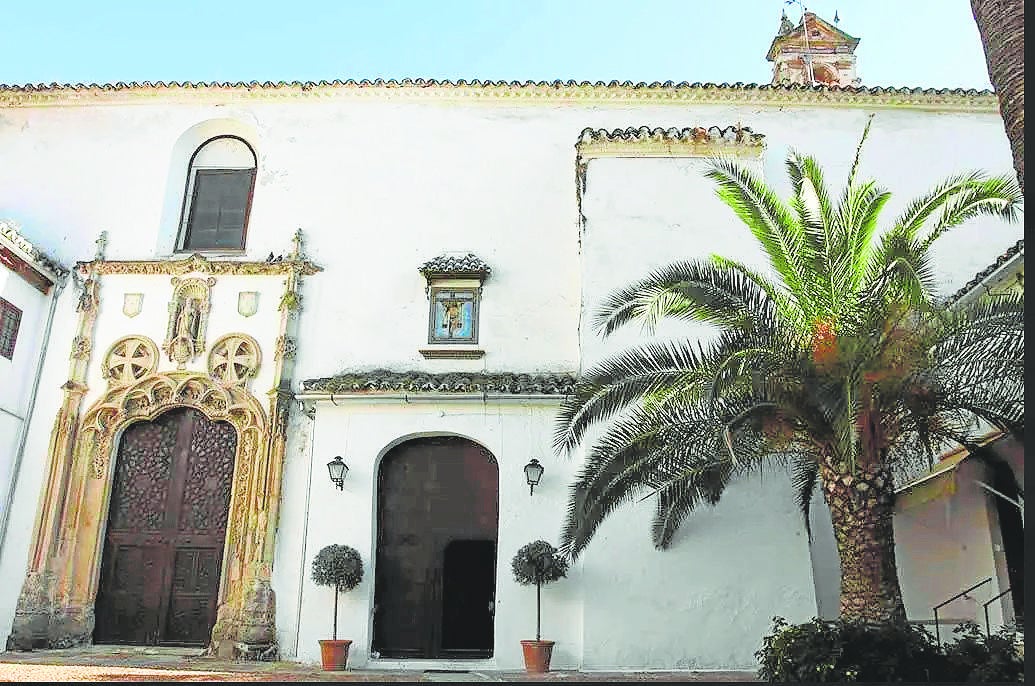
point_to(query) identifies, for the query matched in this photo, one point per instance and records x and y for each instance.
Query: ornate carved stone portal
(188, 317)
(56, 605)
(73, 575)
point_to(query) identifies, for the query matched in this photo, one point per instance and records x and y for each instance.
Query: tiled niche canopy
(454, 292)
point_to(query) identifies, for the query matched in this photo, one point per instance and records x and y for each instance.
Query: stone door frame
(68, 582)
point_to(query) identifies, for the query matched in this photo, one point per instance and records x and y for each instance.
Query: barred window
(10, 321)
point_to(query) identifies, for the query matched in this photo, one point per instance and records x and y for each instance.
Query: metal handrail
(962, 593)
(988, 630)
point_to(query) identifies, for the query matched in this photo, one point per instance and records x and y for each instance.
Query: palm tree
(841, 368)
(1001, 25)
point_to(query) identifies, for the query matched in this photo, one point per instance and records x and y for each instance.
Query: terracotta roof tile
(1015, 249)
(455, 263)
(386, 381)
(476, 83)
(10, 231)
(712, 134)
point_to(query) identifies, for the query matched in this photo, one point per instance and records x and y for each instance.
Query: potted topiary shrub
(341, 567)
(538, 563)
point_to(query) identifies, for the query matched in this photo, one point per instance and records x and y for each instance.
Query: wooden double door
(435, 579)
(163, 549)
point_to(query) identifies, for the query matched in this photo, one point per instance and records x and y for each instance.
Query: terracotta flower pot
(537, 655)
(334, 654)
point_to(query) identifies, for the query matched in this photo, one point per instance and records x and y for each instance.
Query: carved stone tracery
(145, 400)
(234, 359)
(56, 606)
(129, 359)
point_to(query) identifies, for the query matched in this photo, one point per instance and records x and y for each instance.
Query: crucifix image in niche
(454, 316)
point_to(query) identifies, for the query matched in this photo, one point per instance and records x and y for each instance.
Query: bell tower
(813, 52)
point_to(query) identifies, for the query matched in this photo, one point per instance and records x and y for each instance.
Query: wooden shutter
(219, 209)
(10, 322)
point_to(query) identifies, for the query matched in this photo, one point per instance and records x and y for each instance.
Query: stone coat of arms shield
(132, 304)
(247, 303)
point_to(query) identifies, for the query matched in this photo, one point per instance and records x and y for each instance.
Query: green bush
(338, 565)
(538, 563)
(983, 658)
(823, 652)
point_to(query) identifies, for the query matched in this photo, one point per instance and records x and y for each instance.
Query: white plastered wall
(362, 430)
(17, 374)
(379, 186)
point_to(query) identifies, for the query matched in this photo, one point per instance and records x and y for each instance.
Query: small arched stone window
(218, 197)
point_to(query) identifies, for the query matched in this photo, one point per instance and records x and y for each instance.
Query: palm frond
(708, 291)
(769, 220)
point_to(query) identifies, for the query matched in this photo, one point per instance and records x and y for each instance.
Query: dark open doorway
(468, 597)
(435, 573)
(1011, 527)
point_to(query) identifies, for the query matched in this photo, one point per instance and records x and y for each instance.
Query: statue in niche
(188, 313)
(187, 319)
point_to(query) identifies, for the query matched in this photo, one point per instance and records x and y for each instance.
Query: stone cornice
(24, 249)
(387, 381)
(513, 92)
(657, 142)
(200, 264)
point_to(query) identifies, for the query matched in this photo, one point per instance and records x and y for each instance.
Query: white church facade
(264, 277)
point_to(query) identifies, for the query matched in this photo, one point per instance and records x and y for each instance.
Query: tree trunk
(334, 632)
(538, 605)
(1001, 25)
(861, 509)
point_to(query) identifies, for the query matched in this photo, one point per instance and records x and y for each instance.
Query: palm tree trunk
(1001, 25)
(861, 509)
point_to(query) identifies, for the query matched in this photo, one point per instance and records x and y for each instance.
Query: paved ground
(168, 664)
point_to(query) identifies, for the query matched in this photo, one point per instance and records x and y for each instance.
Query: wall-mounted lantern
(338, 470)
(533, 473)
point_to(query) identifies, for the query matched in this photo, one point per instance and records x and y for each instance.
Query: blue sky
(929, 43)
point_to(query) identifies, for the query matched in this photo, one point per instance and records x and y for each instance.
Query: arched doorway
(163, 547)
(435, 575)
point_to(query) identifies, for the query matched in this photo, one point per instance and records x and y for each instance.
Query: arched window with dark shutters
(218, 196)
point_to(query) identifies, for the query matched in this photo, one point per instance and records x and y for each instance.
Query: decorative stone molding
(188, 318)
(129, 359)
(387, 381)
(697, 141)
(200, 264)
(41, 621)
(55, 608)
(81, 523)
(548, 93)
(81, 348)
(234, 359)
(285, 348)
